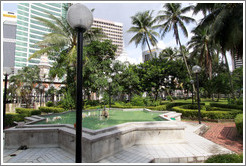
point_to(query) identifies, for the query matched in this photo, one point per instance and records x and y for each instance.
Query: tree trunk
(230, 77)
(188, 70)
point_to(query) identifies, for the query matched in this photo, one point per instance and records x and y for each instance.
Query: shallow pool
(94, 120)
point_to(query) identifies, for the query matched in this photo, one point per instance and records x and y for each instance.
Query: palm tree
(226, 21)
(63, 38)
(170, 53)
(173, 18)
(143, 27)
(201, 43)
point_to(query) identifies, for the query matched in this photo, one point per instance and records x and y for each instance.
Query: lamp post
(6, 72)
(80, 18)
(192, 82)
(196, 69)
(109, 89)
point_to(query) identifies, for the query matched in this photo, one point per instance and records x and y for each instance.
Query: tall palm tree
(173, 18)
(62, 38)
(143, 27)
(226, 21)
(202, 45)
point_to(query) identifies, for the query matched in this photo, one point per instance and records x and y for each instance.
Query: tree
(202, 46)
(23, 84)
(143, 28)
(174, 18)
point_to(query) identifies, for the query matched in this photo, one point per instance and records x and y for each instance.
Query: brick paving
(225, 134)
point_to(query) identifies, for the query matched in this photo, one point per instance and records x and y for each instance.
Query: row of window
(48, 7)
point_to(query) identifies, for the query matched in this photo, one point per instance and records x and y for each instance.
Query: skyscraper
(113, 31)
(29, 30)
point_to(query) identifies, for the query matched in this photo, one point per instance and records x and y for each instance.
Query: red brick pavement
(225, 134)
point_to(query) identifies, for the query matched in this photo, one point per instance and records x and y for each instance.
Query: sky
(122, 12)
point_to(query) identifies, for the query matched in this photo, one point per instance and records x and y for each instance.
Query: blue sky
(121, 12)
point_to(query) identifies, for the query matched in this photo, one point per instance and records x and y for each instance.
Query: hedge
(51, 109)
(230, 106)
(158, 108)
(225, 158)
(239, 123)
(11, 117)
(207, 114)
(27, 111)
(170, 105)
(118, 106)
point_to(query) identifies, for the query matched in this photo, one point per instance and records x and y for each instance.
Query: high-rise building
(113, 31)
(237, 62)
(30, 31)
(9, 34)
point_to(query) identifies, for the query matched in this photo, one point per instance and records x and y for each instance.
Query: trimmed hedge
(11, 117)
(118, 106)
(230, 106)
(27, 111)
(170, 105)
(225, 158)
(51, 109)
(158, 108)
(239, 123)
(207, 114)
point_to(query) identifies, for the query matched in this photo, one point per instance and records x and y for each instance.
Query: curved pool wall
(96, 144)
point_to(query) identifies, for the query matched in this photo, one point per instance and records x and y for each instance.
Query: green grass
(98, 122)
(203, 100)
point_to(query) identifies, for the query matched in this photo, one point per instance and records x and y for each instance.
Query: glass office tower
(30, 30)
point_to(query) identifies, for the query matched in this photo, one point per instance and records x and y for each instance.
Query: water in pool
(94, 120)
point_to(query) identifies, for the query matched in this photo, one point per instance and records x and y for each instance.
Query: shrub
(27, 111)
(189, 113)
(230, 106)
(49, 104)
(11, 117)
(238, 101)
(51, 109)
(191, 106)
(239, 123)
(92, 102)
(225, 158)
(170, 105)
(158, 108)
(137, 101)
(208, 108)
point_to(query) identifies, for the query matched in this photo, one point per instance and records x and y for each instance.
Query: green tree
(23, 84)
(173, 18)
(143, 28)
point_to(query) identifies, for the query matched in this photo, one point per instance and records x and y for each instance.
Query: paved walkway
(37, 155)
(225, 134)
(194, 149)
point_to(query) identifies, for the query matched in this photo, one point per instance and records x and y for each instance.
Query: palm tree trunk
(149, 48)
(193, 85)
(230, 77)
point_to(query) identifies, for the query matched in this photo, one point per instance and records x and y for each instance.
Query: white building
(113, 30)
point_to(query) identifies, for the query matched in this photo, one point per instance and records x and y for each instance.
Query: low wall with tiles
(96, 144)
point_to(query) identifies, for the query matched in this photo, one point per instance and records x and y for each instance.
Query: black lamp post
(109, 91)
(80, 18)
(196, 69)
(192, 82)
(6, 72)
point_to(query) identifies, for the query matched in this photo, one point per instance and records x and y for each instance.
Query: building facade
(147, 56)
(9, 41)
(112, 30)
(30, 31)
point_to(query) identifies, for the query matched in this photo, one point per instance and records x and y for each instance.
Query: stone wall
(96, 144)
